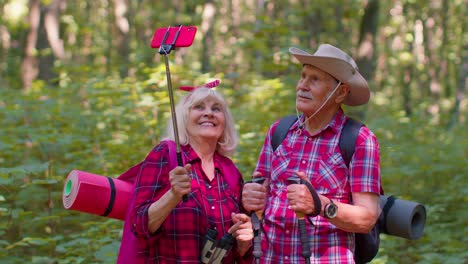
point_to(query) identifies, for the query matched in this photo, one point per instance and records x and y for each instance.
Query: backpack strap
(347, 141)
(282, 130)
(172, 154)
(230, 170)
(348, 137)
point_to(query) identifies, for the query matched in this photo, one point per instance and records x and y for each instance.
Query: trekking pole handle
(256, 217)
(259, 180)
(300, 215)
(306, 253)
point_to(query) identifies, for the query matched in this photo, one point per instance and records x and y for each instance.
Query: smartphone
(185, 36)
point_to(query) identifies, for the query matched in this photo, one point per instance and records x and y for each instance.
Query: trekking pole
(306, 253)
(256, 217)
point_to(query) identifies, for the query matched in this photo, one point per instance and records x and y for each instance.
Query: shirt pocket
(332, 175)
(230, 204)
(280, 163)
(190, 213)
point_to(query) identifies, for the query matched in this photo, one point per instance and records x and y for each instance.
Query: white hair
(229, 139)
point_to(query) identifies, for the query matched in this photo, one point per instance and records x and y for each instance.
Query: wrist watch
(330, 210)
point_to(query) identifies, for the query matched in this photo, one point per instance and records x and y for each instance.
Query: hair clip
(207, 85)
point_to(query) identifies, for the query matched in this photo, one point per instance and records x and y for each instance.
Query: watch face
(331, 210)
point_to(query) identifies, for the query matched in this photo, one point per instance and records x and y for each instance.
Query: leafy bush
(105, 125)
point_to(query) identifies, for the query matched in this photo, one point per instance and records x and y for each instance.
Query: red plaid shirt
(209, 205)
(319, 157)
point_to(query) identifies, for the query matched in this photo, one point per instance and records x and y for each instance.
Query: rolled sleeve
(365, 164)
(150, 185)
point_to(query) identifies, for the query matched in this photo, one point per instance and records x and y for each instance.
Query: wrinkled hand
(254, 195)
(180, 180)
(242, 229)
(299, 196)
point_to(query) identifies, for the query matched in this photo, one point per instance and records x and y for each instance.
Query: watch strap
(315, 197)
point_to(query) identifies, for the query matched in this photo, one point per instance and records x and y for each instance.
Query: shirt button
(209, 186)
(287, 231)
(212, 207)
(303, 162)
(286, 257)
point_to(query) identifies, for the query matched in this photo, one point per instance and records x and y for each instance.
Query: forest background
(82, 89)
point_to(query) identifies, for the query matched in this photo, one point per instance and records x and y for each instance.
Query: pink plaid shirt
(179, 239)
(319, 157)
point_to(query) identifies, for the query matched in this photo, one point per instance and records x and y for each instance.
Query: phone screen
(184, 39)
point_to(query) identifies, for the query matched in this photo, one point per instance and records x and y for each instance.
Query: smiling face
(206, 120)
(313, 88)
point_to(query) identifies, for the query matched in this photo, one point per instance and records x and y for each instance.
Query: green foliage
(105, 125)
(91, 119)
(97, 125)
(423, 162)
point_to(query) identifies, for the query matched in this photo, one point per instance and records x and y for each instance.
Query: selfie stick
(164, 50)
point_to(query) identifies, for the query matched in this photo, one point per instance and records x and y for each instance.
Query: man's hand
(299, 196)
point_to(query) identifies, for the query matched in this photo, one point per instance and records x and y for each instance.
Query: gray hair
(229, 139)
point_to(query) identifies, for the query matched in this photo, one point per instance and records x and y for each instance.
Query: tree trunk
(366, 57)
(407, 72)
(5, 44)
(29, 65)
(259, 12)
(209, 12)
(122, 12)
(49, 44)
(462, 87)
(445, 86)
(52, 27)
(314, 18)
(406, 91)
(434, 63)
(45, 56)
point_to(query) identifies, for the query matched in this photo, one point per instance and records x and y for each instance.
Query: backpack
(129, 244)
(366, 246)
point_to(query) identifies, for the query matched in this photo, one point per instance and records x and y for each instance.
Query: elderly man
(347, 196)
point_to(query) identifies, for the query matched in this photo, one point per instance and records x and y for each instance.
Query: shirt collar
(191, 156)
(335, 124)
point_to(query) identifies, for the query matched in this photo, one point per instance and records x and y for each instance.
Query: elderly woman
(170, 229)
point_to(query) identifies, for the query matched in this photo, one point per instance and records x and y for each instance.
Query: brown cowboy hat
(339, 65)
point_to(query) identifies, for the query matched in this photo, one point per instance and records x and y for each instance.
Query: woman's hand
(180, 180)
(242, 231)
(242, 228)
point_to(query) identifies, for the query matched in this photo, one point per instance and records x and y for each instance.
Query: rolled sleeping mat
(96, 194)
(401, 218)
